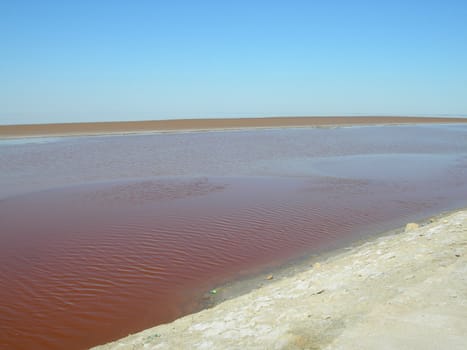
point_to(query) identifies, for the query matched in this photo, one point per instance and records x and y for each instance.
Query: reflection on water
(383, 167)
(105, 236)
(29, 140)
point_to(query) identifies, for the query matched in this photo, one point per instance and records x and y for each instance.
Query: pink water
(102, 237)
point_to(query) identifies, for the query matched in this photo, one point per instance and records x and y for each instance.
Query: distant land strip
(174, 125)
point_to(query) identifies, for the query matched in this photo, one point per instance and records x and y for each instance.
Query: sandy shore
(399, 291)
(99, 128)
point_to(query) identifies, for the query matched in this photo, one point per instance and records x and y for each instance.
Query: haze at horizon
(121, 60)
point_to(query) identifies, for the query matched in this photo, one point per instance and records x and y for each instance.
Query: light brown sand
(37, 130)
(403, 291)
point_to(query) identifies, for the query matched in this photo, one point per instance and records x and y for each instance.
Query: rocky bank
(402, 291)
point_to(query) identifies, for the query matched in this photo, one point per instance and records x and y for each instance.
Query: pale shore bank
(398, 291)
(182, 125)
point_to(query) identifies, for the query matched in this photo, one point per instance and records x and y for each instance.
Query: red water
(84, 261)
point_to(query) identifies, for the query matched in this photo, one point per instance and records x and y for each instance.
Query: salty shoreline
(399, 290)
(187, 125)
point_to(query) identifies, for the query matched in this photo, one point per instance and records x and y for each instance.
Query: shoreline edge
(405, 291)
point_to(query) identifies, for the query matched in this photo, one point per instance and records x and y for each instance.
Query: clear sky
(67, 61)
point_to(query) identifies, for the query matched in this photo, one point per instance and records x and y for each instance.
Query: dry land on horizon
(98, 128)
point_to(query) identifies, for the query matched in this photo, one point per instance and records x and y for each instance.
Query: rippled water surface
(104, 236)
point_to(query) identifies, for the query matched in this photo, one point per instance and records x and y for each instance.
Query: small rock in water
(269, 277)
(317, 266)
(411, 226)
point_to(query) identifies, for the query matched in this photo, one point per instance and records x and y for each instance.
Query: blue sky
(68, 61)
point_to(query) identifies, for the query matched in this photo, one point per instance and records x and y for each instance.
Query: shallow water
(105, 236)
